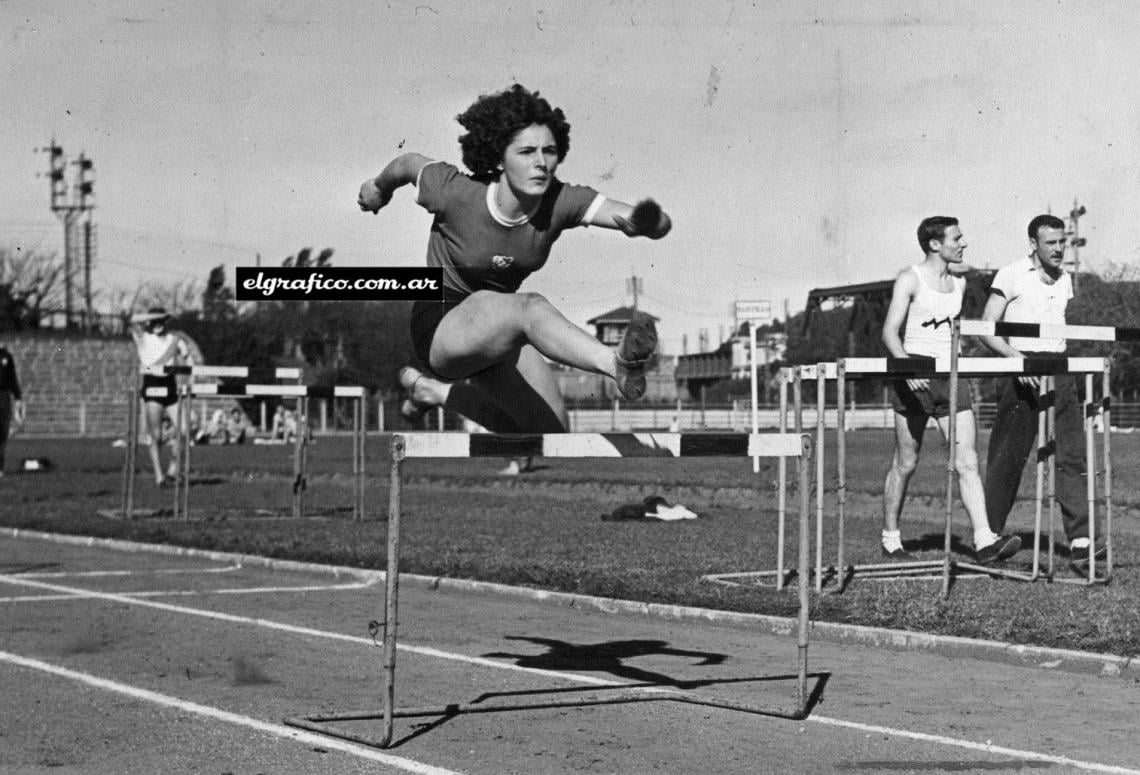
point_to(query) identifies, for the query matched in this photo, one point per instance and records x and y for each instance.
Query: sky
(795, 144)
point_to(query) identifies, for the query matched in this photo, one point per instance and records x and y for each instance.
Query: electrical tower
(1076, 241)
(70, 204)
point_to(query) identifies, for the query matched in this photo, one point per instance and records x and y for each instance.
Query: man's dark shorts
(932, 402)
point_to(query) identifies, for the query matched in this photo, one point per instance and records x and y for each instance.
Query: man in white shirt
(1036, 289)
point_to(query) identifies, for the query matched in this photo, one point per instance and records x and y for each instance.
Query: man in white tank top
(926, 298)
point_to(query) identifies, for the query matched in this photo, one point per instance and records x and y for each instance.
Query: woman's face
(529, 162)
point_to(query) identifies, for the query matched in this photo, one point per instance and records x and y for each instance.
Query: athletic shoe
(411, 409)
(897, 555)
(1001, 549)
(638, 344)
(1080, 559)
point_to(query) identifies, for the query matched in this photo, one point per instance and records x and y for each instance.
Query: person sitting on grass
(236, 426)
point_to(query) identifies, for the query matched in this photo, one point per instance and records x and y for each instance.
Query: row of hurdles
(234, 382)
(1045, 368)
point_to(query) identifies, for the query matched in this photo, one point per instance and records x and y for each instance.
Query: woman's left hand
(645, 220)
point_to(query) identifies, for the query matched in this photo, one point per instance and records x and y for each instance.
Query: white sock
(892, 540)
(1079, 543)
(983, 538)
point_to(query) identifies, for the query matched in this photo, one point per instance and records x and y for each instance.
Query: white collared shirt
(1031, 300)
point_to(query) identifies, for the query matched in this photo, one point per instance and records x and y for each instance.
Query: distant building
(731, 360)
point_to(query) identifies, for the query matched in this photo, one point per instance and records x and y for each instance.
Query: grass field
(543, 529)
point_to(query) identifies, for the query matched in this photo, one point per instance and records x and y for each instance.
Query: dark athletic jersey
(477, 248)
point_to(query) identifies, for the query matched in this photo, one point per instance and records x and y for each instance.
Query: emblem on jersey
(935, 323)
(502, 262)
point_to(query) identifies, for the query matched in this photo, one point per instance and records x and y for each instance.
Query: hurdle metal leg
(820, 474)
(181, 459)
(300, 442)
(130, 457)
(1089, 412)
(359, 411)
(841, 467)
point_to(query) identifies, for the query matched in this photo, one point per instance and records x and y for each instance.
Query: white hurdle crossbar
(581, 445)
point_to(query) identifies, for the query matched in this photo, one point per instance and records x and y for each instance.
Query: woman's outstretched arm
(645, 219)
(377, 192)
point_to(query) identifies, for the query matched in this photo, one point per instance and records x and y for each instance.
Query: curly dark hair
(493, 120)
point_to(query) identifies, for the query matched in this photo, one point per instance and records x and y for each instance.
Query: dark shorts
(932, 402)
(155, 381)
(426, 317)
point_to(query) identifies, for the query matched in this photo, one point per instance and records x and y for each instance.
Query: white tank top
(927, 330)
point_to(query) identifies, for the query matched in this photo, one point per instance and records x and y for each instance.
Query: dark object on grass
(652, 509)
(36, 465)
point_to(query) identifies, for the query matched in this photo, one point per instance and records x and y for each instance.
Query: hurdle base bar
(135, 513)
(918, 570)
(321, 723)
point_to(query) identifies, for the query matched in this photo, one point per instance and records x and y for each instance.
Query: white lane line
(571, 677)
(294, 629)
(217, 714)
(192, 592)
(986, 747)
(99, 573)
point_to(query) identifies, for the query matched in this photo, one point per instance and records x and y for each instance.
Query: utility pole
(70, 209)
(1075, 240)
(633, 288)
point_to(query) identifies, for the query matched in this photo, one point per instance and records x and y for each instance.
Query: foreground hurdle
(241, 389)
(436, 445)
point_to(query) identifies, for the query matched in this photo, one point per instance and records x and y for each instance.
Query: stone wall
(72, 383)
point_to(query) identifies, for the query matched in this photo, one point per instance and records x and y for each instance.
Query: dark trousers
(1012, 439)
(5, 422)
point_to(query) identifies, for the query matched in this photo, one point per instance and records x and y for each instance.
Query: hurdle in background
(187, 391)
(182, 424)
(882, 368)
(581, 445)
(1045, 429)
(953, 368)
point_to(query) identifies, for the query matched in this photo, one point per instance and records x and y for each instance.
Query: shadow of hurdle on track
(638, 685)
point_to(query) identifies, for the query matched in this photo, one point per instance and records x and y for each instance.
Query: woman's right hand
(371, 197)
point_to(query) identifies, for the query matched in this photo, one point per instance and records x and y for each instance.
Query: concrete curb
(1064, 660)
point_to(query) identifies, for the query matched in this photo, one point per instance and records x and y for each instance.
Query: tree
(31, 285)
(305, 258)
(1110, 299)
(176, 297)
(217, 298)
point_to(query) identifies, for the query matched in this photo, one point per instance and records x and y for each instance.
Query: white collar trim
(497, 214)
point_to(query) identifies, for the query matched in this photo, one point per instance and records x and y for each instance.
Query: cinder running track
(116, 661)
